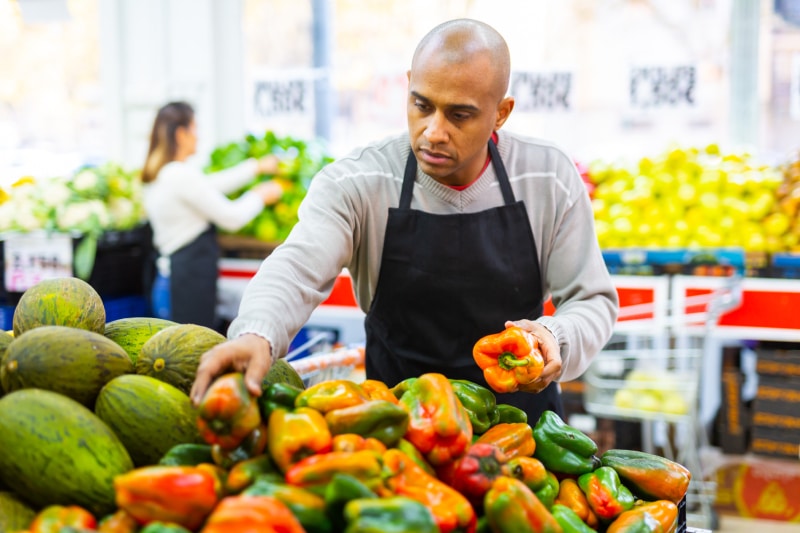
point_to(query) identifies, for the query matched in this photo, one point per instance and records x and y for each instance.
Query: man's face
(452, 111)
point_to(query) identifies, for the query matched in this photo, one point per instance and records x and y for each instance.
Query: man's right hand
(250, 354)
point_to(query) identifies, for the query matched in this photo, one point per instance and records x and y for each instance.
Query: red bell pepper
(451, 509)
(184, 495)
(52, 518)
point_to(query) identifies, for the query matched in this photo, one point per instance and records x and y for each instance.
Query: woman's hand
(550, 352)
(269, 191)
(268, 164)
(250, 354)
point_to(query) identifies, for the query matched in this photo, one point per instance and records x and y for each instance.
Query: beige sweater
(343, 221)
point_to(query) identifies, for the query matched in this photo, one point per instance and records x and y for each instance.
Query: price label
(542, 91)
(662, 87)
(30, 259)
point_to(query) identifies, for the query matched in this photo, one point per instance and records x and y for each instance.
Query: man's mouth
(433, 158)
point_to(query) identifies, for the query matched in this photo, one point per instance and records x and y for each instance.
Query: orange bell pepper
(332, 394)
(228, 413)
(509, 359)
(318, 470)
(514, 439)
(529, 470)
(52, 518)
(377, 390)
(184, 495)
(353, 442)
(295, 435)
(247, 514)
(119, 522)
(511, 507)
(451, 509)
(438, 425)
(570, 495)
(660, 516)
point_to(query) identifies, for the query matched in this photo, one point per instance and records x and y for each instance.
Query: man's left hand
(550, 352)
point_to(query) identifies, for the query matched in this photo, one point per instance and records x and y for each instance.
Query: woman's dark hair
(163, 145)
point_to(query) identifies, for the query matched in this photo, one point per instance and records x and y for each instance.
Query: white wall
(155, 51)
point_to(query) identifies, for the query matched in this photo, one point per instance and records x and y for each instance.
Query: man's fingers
(211, 364)
(255, 373)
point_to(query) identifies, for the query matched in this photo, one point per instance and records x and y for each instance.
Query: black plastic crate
(121, 265)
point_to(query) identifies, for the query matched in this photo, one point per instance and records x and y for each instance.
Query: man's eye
(422, 106)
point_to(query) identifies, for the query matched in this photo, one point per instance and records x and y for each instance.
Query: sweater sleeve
(208, 201)
(228, 180)
(300, 273)
(576, 275)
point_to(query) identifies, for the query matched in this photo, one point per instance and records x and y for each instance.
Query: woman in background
(185, 205)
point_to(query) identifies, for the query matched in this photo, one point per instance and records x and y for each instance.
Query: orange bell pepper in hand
(228, 413)
(509, 359)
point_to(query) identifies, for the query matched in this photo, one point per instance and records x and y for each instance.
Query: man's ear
(504, 109)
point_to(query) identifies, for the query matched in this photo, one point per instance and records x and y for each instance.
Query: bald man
(451, 231)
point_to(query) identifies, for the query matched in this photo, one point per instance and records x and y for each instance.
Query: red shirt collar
(485, 166)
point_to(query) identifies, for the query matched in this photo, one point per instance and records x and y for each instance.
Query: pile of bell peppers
(429, 454)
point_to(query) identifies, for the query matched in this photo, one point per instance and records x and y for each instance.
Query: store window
(51, 104)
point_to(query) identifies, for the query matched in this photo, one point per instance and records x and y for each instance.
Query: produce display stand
(667, 353)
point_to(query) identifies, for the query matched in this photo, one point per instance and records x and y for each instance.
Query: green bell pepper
(606, 495)
(569, 520)
(480, 403)
(397, 514)
(508, 414)
(342, 489)
(276, 395)
(563, 448)
(161, 527)
(548, 492)
(307, 507)
(380, 419)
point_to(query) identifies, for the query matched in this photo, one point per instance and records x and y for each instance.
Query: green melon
(15, 515)
(282, 372)
(131, 333)
(5, 340)
(148, 415)
(58, 452)
(60, 302)
(70, 361)
(173, 354)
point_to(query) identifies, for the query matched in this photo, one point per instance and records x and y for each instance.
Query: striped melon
(173, 354)
(70, 361)
(148, 415)
(132, 332)
(56, 451)
(15, 515)
(60, 302)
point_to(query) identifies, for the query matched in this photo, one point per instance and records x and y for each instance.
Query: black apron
(448, 280)
(193, 281)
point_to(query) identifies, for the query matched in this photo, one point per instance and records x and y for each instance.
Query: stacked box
(776, 408)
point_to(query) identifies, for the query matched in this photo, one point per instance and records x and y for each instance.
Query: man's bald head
(459, 41)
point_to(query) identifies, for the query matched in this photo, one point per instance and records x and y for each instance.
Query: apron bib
(448, 280)
(193, 281)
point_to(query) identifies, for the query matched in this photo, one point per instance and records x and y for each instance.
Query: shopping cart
(652, 372)
(341, 363)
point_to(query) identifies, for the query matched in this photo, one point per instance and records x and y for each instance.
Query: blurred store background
(683, 116)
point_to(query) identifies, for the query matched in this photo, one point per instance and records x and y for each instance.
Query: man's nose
(436, 130)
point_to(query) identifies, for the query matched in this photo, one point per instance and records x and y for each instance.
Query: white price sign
(30, 259)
